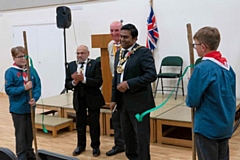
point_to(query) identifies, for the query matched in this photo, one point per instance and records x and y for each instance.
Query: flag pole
(30, 95)
(191, 55)
(154, 83)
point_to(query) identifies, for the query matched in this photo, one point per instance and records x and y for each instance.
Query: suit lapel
(88, 67)
(116, 60)
(129, 60)
(75, 66)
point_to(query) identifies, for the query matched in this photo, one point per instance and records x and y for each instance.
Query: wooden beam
(30, 94)
(191, 55)
(151, 2)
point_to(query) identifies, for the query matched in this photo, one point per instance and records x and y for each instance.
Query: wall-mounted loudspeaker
(64, 17)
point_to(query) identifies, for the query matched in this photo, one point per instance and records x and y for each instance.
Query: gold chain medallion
(120, 68)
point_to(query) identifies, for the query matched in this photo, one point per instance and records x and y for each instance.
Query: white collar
(225, 66)
(19, 68)
(129, 49)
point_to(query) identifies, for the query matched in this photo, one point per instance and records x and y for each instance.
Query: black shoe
(96, 152)
(114, 151)
(78, 151)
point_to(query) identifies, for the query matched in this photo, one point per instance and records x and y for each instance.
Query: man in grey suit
(132, 93)
(84, 77)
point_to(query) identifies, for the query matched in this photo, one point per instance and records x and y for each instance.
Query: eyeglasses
(21, 57)
(194, 45)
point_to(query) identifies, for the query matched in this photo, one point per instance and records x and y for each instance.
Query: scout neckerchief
(217, 58)
(24, 73)
(122, 60)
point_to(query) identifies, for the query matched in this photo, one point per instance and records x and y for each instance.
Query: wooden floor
(65, 142)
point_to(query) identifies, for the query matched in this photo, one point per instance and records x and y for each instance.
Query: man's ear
(204, 47)
(135, 39)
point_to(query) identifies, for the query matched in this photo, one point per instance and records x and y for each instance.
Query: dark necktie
(124, 53)
(118, 48)
(82, 64)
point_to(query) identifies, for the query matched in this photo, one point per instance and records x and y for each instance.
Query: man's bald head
(82, 53)
(115, 28)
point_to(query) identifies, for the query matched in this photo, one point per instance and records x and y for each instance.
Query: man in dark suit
(113, 46)
(132, 93)
(84, 76)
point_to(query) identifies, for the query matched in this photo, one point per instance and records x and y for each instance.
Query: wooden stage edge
(53, 123)
(174, 126)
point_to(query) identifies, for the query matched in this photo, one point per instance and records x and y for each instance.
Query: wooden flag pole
(153, 83)
(191, 55)
(30, 95)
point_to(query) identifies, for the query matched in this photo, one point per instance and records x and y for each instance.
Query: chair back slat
(172, 61)
(198, 61)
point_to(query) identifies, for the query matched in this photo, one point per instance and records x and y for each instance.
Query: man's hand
(112, 105)
(32, 102)
(28, 85)
(77, 77)
(122, 87)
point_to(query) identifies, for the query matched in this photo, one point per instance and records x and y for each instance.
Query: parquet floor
(65, 143)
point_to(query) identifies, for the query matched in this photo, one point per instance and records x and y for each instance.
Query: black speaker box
(46, 155)
(64, 17)
(7, 154)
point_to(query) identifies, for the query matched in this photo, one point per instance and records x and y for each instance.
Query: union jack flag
(152, 36)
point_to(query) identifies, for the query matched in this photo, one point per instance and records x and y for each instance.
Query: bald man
(113, 46)
(84, 77)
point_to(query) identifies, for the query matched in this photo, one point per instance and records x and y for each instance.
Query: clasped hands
(77, 77)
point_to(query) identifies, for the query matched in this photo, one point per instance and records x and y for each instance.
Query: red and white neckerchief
(217, 58)
(24, 73)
